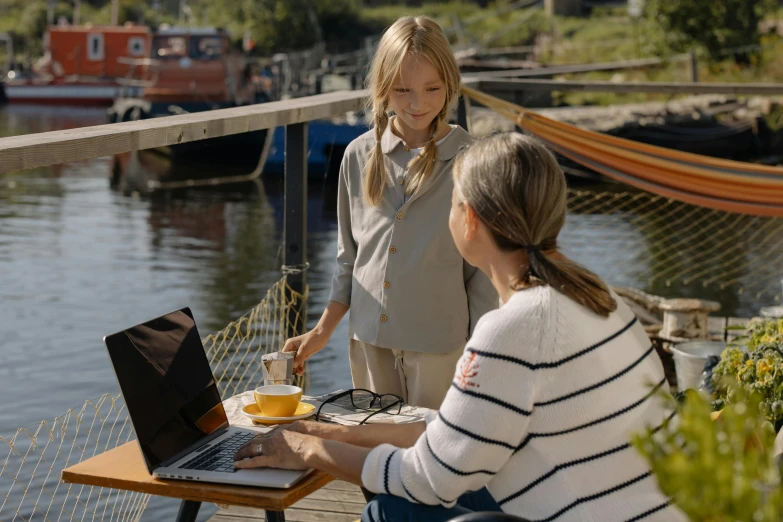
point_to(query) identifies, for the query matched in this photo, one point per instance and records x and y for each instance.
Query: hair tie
(533, 248)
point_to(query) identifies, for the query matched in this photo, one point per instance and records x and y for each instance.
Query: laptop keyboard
(220, 457)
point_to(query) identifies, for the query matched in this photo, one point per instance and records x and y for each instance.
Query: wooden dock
(338, 501)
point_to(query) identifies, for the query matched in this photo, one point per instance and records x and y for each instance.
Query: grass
(607, 35)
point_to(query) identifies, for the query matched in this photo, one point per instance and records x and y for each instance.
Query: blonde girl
(412, 297)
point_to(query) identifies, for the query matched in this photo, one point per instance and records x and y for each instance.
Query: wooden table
(123, 468)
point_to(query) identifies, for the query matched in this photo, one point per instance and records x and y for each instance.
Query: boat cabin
(193, 65)
(97, 51)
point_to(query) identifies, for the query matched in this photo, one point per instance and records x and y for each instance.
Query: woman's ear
(471, 222)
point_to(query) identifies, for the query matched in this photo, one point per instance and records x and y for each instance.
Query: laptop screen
(167, 384)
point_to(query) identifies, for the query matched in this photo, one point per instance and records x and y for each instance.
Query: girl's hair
(422, 38)
(516, 187)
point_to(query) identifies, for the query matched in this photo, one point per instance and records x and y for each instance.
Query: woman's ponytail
(570, 279)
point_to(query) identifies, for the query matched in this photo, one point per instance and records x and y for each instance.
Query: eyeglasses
(359, 399)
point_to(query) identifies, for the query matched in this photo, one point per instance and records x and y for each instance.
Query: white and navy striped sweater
(542, 406)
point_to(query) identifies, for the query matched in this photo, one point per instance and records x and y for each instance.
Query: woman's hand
(321, 430)
(282, 449)
(367, 435)
(288, 449)
(305, 346)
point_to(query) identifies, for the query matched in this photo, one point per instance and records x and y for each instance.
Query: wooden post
(694, 67)
(463, 113)
(295, 226)
(319, 83)
(685, 318)
(563, 7)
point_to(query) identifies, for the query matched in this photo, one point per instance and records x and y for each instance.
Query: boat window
(136, 46)
(169, 47)
(205, 47)
(95, 47)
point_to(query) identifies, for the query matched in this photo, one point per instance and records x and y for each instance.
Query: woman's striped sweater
(542, 406)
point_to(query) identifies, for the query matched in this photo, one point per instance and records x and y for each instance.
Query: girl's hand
(282, 449)
(305, 346)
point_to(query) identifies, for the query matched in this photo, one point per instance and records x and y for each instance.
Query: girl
(546, 395)
(413, 299)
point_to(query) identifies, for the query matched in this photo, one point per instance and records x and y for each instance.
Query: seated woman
(546, 395)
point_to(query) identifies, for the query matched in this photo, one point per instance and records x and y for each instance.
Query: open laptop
(175, 406)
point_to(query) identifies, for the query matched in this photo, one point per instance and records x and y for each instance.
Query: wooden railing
(50, 148)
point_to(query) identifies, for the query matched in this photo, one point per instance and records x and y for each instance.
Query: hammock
(720, 184)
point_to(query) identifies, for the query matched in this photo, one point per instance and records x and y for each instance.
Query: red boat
(83, 65)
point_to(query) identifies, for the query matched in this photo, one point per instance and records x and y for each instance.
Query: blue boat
(326, 142)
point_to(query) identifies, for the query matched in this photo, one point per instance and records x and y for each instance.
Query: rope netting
(665, 246)
(32, 458)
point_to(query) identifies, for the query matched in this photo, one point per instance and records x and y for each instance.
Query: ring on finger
(257, 448)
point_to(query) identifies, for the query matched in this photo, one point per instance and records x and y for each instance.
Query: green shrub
(716, 471)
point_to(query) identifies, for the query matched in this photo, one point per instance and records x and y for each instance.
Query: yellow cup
(277, 400)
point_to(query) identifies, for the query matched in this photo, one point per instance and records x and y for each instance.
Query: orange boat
(193, 70)
(83, 65)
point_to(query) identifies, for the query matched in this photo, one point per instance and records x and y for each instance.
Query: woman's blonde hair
(423, 38)
(516, 187)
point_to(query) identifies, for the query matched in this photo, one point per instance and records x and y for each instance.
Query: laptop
(175, 406)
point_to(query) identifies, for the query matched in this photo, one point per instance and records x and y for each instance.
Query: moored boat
(82, 65)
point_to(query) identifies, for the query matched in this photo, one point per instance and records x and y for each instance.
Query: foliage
(713, 26)
(757, 369)
(283, 25)
(716, 471)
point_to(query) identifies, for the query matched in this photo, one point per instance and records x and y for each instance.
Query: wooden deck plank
(331, 506)
(291, 515)
(341, 496)
(318, 505)
(341, 485)
(339, 501)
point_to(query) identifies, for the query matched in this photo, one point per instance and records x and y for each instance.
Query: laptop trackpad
(268, 477)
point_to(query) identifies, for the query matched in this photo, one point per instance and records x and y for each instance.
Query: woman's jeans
(388, 508)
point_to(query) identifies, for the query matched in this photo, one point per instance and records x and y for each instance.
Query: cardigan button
(399, 216)
(406, 149)
(400, 181)
(383, 318)
(392, 249)
(386, 284)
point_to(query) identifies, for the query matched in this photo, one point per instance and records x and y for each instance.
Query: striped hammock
(720, 184)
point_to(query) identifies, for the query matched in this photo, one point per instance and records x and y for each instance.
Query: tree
(286, 25)
(714, 25)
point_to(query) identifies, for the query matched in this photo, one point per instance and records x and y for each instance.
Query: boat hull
(95, 95)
